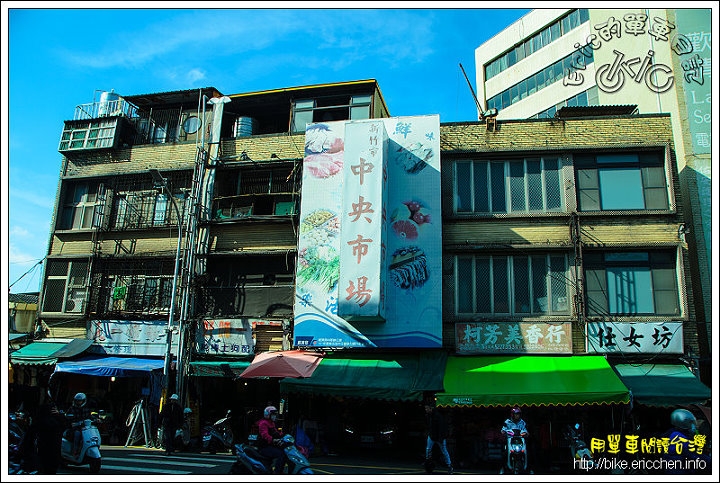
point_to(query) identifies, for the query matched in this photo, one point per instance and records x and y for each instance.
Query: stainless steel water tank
(245, 126)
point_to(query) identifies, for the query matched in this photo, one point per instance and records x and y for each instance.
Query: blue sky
(55, 59)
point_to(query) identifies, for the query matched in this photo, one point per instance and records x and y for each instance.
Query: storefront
(552, 391)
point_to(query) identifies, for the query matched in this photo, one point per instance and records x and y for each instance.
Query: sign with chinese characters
(362, 237)
(370, 246)
(635, 337)
(130, 337)
(225, 337)
(513, 337)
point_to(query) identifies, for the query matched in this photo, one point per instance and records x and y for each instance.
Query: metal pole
(160, 181)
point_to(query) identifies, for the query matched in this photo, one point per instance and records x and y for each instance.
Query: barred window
(632, 283)
(512, 284)
(65, 286)
(516, 186)
(141, 293)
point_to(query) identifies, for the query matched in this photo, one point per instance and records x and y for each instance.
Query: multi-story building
(656, 59)
(195, 229)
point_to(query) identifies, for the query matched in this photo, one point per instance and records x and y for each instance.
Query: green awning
(530, 381)
(230, 369)
(663, 384)
(47, 353)
(395, 377)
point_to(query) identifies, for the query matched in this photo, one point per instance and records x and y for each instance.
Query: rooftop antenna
(481, 109)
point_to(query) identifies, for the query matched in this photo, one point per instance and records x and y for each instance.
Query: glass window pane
(621, 189)
(630, 290)
(360, 112)
(54, 294)
(480, 185)
(301, 119)
(463, 192)
(521, 282)
(517, 186)
(360, 99)
(501, 299)
(535, 192)
(464, 285)
(558, 284)
(482, 286)
(497, 182)
(553, 199)
(539, 284)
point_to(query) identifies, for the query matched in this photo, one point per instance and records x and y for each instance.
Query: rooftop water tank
(245, 126)
(108, 103)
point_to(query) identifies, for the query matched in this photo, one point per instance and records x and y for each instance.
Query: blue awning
(111, 366)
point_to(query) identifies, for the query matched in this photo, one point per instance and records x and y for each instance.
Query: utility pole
(160, 182)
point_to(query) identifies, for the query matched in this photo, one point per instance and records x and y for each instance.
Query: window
(518, 186)
(327, 109)
(622, 181)
(79, 209)
(302, 115)
(360, 107)
(142, 209)
(632, 283)
(522, 285)
(88, 134)
(65, 286)
(141, 293)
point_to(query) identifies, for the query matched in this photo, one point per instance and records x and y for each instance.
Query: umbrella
(290, 363)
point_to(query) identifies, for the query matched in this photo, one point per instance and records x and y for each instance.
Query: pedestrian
(269, 439)
(47, 429)
(171, 419)
(437, 433)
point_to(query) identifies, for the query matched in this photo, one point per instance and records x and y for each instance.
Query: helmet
(515, 410)
(684, 419)
(174, 397)
(187, 411)
(269, 410)
(80, 399)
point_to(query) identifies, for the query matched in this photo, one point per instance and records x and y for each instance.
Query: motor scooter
(249, 461)
(582, 456)
(516, 461)
(89, 452)
(219, 437)
(17, 445)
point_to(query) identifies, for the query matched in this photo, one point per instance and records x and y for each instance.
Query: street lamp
(160, 182)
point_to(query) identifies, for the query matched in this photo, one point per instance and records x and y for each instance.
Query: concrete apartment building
(195, 229)
(658, 60)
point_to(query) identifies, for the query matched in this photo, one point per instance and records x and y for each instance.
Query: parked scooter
(219, 437)
(249, 461)
(90, 450)
(582, 456)
(516, 461)
(17, 446)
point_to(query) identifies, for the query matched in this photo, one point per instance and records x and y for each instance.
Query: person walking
(47, 429)
(437, 433)
(171, 418)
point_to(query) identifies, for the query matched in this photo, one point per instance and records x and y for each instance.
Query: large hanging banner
(370, 243)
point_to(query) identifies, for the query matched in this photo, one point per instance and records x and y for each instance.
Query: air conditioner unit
(75, 305)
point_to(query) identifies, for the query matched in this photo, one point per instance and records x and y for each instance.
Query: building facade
(185, 222)
(656, 59)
